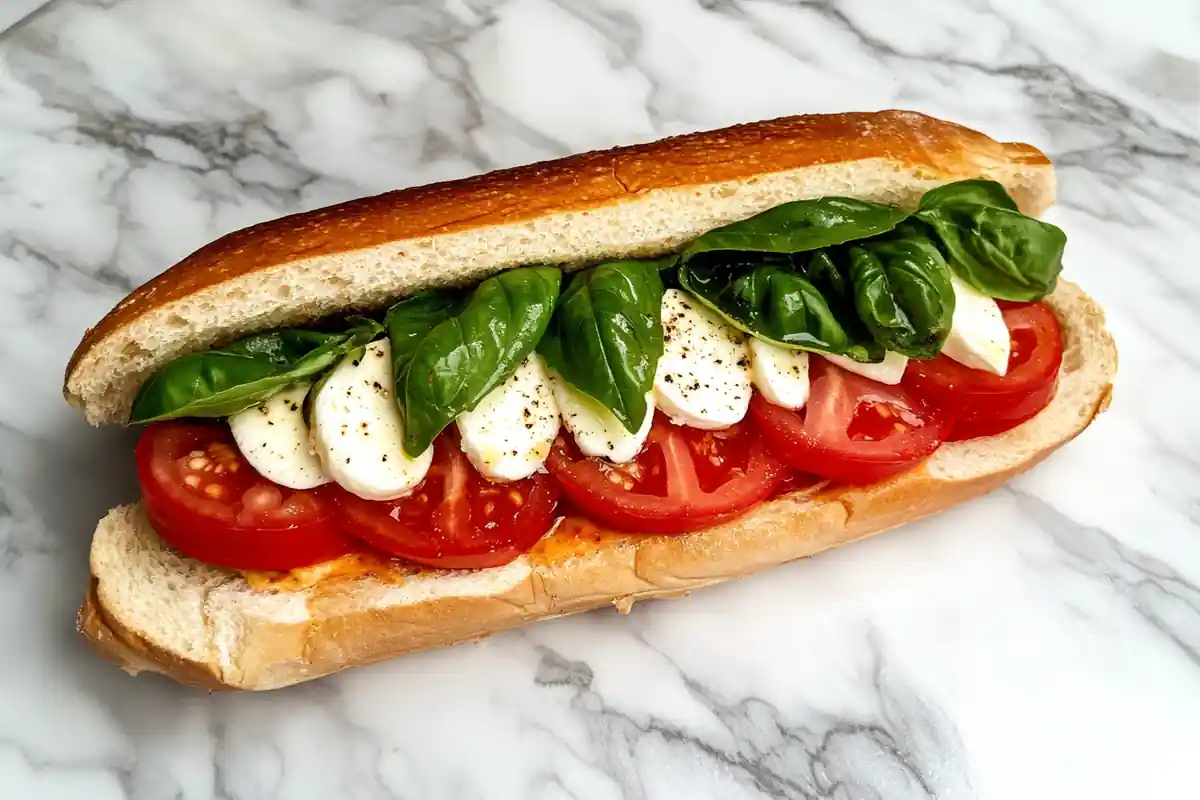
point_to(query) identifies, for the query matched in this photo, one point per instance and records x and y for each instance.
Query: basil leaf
(978, 191)
(801, 226)
(665, 263)
(410, 320)
(220, 382)
(834, 281)
(471, 352)
(990, 244)
(1001, 253)
(605, 337)
(771, 300)
(903, 294)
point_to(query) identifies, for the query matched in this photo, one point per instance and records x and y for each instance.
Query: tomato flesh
(683, 480)
(455, 518)
(983, 404)
(853, 429)
(205, 500)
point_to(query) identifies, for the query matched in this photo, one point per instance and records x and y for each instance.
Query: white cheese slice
(273, 436)
(357, 430)
(889, 371)
(508, 435)
(779, 373)
(703, 378)
(597, 431)
(978, 336)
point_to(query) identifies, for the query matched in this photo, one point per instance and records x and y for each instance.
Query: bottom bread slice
(150, 608)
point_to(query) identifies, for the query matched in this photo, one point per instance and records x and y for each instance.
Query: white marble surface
(13, 11)
(1043, 642)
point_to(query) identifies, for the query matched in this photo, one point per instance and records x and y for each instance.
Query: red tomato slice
(205, 500)
(684, 479)
(455, 518)
(974, 396)
(853, 429)
(964, 430)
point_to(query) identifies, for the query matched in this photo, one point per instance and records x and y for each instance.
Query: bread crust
(134, 653)
(929, 148)
(579, 567)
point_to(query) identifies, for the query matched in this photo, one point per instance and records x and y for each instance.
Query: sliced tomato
(205, 500)
(984, 404)
(685, 479)
(852, 429)
(964, 430)
(455, 518)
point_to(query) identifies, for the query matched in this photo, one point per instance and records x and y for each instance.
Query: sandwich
(416, 419)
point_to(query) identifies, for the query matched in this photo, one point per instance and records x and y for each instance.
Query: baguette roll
(150, 608)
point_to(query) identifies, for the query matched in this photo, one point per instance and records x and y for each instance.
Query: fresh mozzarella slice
(273, 436)
(978, 336)
(703, 378)
(889, 371)
(779, 374)
(596, 429)
(508, 435)
(357, 430)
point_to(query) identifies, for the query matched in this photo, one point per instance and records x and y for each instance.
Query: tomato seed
(214, 491)
(192, 480)
(198, 462)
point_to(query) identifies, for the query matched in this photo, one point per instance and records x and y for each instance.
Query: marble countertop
(1041, 642)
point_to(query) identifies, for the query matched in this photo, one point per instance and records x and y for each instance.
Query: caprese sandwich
(419, 418)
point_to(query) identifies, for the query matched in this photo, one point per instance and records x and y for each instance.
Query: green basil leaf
(832, 278)
(801, 226)
(1000, 252)
(605, 338)
(409, 321)
(978, 191)
(771, 300)
(468, 354)
(665, 263)
(224, 381)
(903, 293)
